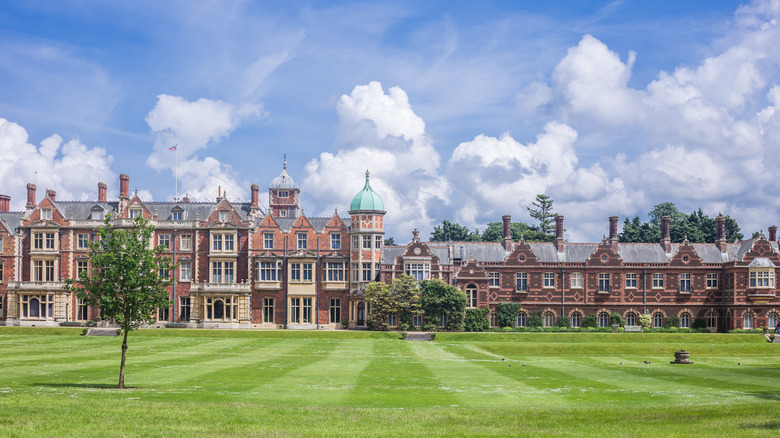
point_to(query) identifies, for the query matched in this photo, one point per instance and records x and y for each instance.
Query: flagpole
(177, 172)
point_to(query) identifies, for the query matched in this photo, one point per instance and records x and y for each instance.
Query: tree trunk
(122, 366)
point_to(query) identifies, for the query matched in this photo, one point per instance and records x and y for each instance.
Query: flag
(172, 148)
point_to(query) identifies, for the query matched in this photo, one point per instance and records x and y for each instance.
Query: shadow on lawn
(770, 425)
(766, 395)
(83, 385)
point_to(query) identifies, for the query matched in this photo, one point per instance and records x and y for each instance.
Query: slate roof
(82, 210)
(11, 220)
(642, 253)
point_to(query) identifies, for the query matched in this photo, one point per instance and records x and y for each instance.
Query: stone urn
(681, 357)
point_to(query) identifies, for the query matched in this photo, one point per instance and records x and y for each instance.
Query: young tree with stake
(125, 282)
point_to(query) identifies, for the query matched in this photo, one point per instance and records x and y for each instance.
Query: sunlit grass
(54, 382)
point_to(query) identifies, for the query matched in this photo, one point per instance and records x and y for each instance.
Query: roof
(11, 220)
(367, 199)
(284, 180)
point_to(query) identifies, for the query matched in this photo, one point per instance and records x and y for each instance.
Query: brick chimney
(124, 186)
(51, 194)
(102, 187)
(666, 239)
(185, 199)
(613, 234)
(559, 233)
(5, 203)
(255, 196)
(507, 232)
(720, 233)
(772, 233)
(31, 195)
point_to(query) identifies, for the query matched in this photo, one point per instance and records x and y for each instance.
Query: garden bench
(633, 328)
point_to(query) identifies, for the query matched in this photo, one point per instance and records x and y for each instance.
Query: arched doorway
(361, 313)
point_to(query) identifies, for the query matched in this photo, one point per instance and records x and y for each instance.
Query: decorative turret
(367, 232)
(283, 195)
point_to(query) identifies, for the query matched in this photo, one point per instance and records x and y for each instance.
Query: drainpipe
(644, 290)
(563, 292)
(174, 274)
(317, 287)
(284, 284)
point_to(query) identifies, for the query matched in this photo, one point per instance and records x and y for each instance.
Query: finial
(284, 164)
(366, 173)
(336, 211)
(416, 236)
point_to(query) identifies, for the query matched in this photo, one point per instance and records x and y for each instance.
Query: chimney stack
(559, 233)
(5, 203)
(666, 240)
(255, 196)
(185, 199)
(507, 232)
(31, 195)
(772, 233)
(124, 186)
(720, 233)
(51, 194)
(613, 234)
(102, 191)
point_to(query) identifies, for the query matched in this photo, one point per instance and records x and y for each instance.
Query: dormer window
(97, 215)
(224, 216)
(46, 213)
(176, 216)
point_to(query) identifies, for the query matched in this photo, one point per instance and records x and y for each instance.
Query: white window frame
(46, 213)
(224, 216)
(605, 285)
(471, 296)
(631, 281)
(418, 271)
(335, 241)
(548, 279)
(494, 279)
(164, 240)
(267, 271)
(763, 278)
(712, 281)
(185, 271)
(521, 282)
(576, 280)
(658, 280)
(268, 240)
(685, 283)
(302, 240)
(185, 242)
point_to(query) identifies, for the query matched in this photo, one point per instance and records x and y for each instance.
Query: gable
(521, 255)
(685, 255)
(604, 255)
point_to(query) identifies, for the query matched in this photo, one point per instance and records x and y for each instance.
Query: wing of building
(242, 265)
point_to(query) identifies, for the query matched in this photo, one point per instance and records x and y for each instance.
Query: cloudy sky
(460, 110)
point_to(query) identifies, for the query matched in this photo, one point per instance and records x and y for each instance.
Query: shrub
(645, 320)
(84, 331)
(433, 336)
(672, 321)
(590, 321)
(506, 314)
(699, 323)
(616, 319)
(405, 327)
(429, 327)
(477, 320)
(563, 322)
(345, 323)
(535, 320)
(404, 335)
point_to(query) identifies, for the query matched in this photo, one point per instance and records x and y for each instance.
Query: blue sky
(461, 111)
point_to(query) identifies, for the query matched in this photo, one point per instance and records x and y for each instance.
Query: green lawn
(54, 382)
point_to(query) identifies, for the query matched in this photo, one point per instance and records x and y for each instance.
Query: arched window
(549, 319)
(685, 320)
(631, 318)
(772, 320)
(471, 295)
(747, 321)
(603, 319)
(712, 319)
(658, 320)
(576, 319)
(521, 319)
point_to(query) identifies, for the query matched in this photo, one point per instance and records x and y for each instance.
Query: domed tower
(283, 195)
(367, 234)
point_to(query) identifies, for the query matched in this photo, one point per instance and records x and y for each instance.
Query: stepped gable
(604, 255)
(756, 248)
(522, 255)
(685, 255)
(472, 271)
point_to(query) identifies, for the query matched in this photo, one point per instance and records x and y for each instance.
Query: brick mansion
(241, 265)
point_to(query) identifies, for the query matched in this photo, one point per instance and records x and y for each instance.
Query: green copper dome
(367, 199)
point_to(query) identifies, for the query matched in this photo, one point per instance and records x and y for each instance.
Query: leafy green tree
(495, 233)
(696, 227)
(506, 314)
(645, 320)
(406, 296)
(563, 322)
(477, 320)
(389, 241)
(589, 321)
(543, 213)
(125, 281)
(535, 320)
(380, 305)
(450, 231)
(439, 298)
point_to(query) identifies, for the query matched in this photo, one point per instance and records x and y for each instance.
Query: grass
(54, 382)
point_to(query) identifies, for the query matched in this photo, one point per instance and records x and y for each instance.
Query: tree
(389, 241)
(450, 231)
(406, 296)
(380, 305)
(506, 314)
(439, 298)
(127, 281)
(400, 296)
(495, 233)
(477, 320)
(696, 227)
(543, 213)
